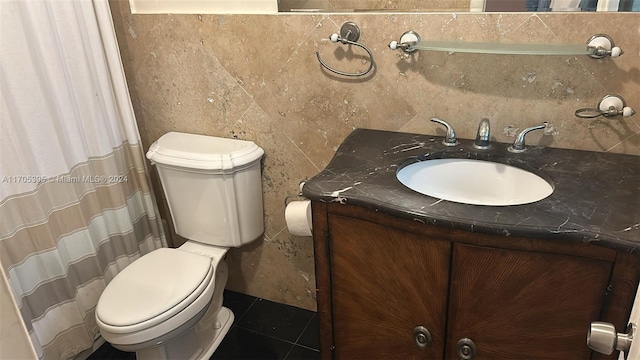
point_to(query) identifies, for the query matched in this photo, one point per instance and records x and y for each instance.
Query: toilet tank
(212, 185)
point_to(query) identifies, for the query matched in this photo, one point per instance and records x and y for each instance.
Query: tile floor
(262, 329)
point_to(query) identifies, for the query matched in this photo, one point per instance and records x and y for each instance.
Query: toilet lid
(155, 284)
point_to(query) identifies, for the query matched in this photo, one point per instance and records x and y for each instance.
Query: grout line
(289, 353)
(527, 19)
(305, 329)
(267, 335)
(241, 117)
(545, 25)
(279, 232)
(237, 319)
(300, 150)
(295, 342)
(291, 55)
(621, 142)
(248, 308)
(306, 347)
(302, 346)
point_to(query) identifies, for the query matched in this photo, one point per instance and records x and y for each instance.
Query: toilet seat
(162, 287)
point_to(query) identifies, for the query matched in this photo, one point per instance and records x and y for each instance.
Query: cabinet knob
(603, 338)
(422, 336)
(466, 349)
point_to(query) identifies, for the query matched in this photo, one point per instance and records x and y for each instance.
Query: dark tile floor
(262, 329)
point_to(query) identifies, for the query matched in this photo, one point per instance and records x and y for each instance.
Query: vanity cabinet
(382, 280)
(386, 282)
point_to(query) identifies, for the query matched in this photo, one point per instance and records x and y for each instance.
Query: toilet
(168, 303)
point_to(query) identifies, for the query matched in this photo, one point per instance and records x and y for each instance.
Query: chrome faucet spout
(482, 138)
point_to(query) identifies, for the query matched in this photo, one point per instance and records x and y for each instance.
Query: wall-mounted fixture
(597, 47)
(407, 43)
(608, 106)
(349, 34)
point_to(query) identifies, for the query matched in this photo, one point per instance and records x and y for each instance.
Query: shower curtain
(75, 201)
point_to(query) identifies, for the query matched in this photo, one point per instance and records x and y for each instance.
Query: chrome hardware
(610, 105)
(407, 40)
(482, 138)
(422, 336)
(349, 31)
(450, 139)
(601, 45)
(597, 47)
(349, 34)
(602, 338)
(518, 144)
(466, 349)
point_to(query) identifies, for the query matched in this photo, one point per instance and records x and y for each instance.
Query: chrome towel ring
(610, 105)
(349, 34)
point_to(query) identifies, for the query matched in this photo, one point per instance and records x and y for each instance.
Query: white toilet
(168, 303)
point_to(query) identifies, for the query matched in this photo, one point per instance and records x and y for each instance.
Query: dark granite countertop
(596, 197)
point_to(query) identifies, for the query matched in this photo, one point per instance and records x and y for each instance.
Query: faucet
(482, 138)
(518, 144)
(450, 139)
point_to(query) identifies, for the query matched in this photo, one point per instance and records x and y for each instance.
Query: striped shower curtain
(75, 202)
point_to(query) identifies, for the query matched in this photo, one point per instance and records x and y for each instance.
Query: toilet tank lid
(204, 152)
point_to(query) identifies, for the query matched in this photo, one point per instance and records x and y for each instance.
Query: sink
(475, 182)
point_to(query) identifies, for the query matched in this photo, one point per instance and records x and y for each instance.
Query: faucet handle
(518, 144)
(450, 139)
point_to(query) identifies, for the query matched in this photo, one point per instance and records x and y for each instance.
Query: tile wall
(257, 78)
(14, 339)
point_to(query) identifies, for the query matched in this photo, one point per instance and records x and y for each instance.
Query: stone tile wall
(14, 338)
(256, 77)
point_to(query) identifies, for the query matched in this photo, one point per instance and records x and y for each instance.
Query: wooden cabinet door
(386, 282)
(523, 305)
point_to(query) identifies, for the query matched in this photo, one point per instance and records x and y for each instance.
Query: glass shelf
(503, 48)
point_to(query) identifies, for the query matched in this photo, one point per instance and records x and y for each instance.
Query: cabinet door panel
(385, 283)
(523, 305)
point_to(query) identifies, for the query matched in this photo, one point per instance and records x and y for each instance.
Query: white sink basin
(475, 182)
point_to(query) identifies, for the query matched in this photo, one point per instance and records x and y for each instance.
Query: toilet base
(225, 320)
(200, 342)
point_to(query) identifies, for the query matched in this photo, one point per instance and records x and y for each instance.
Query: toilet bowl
(168, 303)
